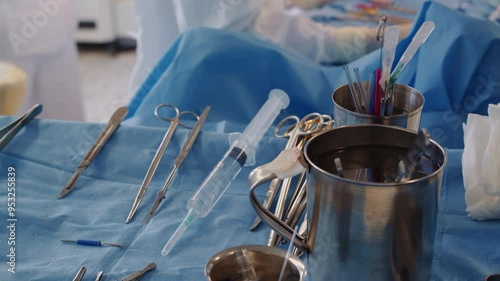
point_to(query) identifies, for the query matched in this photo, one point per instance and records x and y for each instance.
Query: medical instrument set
(174, 122)
(298, 131)
(106, 133)
(378, 97)
(97, 243)
(240, 153)
(8, 132)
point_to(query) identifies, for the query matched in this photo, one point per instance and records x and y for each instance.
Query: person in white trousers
(38, 36)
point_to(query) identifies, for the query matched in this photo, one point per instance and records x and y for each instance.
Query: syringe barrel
(277, 101)
(217, 181)
(242, 148)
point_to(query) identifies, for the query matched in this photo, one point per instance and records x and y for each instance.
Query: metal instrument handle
(80, 274)
(137, 275)
(106, 133)
(256, 178)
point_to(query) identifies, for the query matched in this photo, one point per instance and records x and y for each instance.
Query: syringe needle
(190, 217)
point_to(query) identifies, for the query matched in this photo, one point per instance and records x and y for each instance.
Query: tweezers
(139, 274)
(106, 133)
(8, 132)
(178, 162)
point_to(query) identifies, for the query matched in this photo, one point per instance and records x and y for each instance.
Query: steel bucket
(364, 230)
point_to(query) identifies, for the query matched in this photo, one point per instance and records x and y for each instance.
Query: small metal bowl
(266, 261)
(493, 277)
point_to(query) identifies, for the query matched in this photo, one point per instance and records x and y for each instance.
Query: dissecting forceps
(8, 132)
(106, 133)
(159, 153)
(178, 161)
(299, 129)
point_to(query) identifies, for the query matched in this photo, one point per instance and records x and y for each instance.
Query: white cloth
(481, 164)
(38, 37)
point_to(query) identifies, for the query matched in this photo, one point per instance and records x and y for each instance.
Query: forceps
(8, 132)
(300, 128)
(106, 133)
(159, 153)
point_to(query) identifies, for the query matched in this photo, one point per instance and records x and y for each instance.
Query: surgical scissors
(80, 274)
(298, 191)
(174, 122)
(299, 128)
(8, 132)
(178, 161)
(309, 125)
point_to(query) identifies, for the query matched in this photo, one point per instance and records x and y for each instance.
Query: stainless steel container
(365, 230)
(265, 261)
(408, 104)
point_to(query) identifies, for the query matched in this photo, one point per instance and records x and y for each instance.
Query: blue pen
(96, 243)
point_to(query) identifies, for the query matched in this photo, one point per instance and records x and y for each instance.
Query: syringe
(241, 152)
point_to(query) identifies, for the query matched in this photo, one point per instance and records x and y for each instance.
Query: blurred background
(107, 38)
(84, 58)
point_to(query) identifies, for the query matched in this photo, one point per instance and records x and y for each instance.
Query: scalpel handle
(12, 129)
(106, 133)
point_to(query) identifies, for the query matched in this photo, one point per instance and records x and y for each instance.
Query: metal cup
(365, 230)
(265, 263)
(407, 104)
(493, 277)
